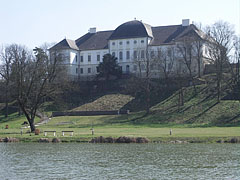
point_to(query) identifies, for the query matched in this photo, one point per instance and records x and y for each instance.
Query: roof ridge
(167, 26)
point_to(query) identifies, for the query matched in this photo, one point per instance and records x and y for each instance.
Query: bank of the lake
(154, 134)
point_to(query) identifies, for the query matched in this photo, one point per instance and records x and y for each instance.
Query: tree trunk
(6, 109)
(32, 126)
(6, 101)
(148, 99)
(199, 68)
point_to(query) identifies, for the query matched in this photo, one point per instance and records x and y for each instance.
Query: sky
(35, 22)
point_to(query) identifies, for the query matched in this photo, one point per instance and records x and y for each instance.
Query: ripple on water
(119, 161)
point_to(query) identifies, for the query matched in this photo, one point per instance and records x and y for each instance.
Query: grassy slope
(106, 103)
(198, 109)
(188, 121)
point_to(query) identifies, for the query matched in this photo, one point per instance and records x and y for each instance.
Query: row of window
(127, 42)
(89, 58)
(89, 70)
(136, 54)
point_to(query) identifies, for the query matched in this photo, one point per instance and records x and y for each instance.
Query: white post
(54, 133)
(45, 133)
(71, 133)
(63, 133)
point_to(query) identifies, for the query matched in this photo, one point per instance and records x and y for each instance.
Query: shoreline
(124, 140)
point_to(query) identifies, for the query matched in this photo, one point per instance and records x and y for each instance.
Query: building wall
(124, 49)
(89, 60)
(84, 63)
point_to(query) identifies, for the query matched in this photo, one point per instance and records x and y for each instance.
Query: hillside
(202, 109)
(106, 103)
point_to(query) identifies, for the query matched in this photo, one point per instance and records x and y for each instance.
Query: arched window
(120, 55)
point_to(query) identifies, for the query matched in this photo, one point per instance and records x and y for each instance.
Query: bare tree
(165, 59)
(143, 61)
(185, 49)
(33, 78)
(220, 44)
(5, 71)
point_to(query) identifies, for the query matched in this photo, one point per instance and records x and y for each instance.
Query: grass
(102, 127)
(106, 103)
(201, 117)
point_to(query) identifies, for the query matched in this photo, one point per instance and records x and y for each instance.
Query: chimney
(185, 22)
(92, 30)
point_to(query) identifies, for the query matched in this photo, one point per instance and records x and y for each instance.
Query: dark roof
(65, 44)
(83, 38)
(98, 40)
(132, 29)
(169, 34)
(160, 35)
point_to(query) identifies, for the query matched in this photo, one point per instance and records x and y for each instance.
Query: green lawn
(122, 126)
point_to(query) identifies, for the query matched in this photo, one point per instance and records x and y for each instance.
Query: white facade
(84, 60)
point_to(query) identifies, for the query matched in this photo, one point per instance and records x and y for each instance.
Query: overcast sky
(34, 22)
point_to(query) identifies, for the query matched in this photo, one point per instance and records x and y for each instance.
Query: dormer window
(120, 43)
(127, 42)
(142, 41)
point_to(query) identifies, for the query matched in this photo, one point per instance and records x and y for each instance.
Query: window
(127, 42)
(135, 54)
(89, 70)
(76, 70)
(120, 55)
(81, 58)
(113, 53)
(135, 42)
(128, 55)
(76, 59)
(97, 68)
(142, 41)
(151, 67)
(152, 54)
(98, 57)
(81, 70)
(135, 67)
(142, 54)
(169, 66)
(127, 69)
(89, 58)
(113, 43)
(120, 43)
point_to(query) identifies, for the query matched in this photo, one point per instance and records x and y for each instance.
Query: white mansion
(83, 55)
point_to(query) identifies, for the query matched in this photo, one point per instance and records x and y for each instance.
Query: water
(22, 161)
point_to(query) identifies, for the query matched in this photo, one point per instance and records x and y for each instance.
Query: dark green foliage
(109, 67)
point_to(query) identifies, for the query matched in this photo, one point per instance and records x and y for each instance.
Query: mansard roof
(91, 41)
(159, 35)
(65, 44)
(170, 34)
(132, 29)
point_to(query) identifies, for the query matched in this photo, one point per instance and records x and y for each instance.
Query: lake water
(22, 161)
